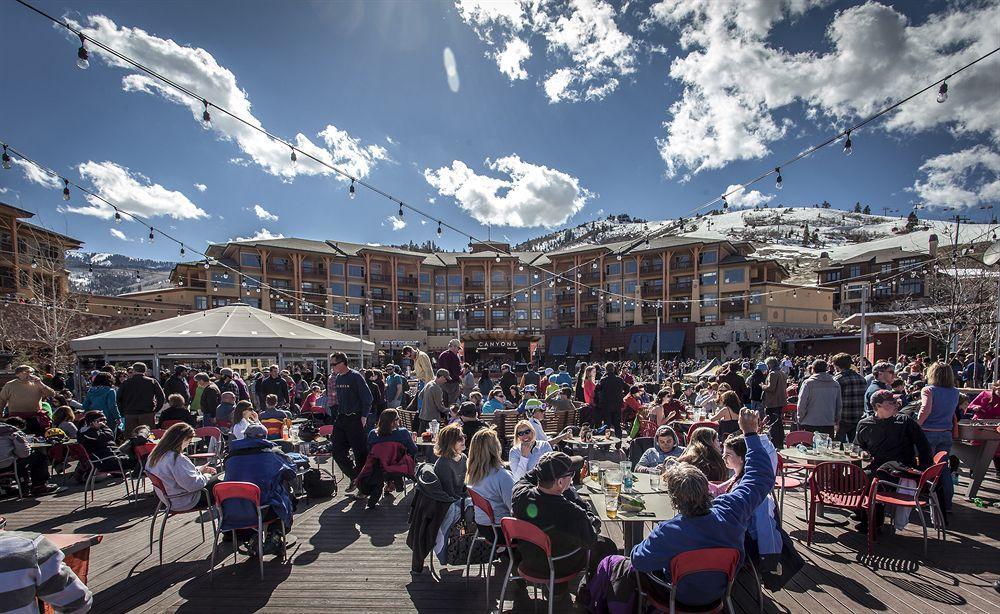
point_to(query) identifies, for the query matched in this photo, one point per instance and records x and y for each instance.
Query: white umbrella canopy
(231, 329)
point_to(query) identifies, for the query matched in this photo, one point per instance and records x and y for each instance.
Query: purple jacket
(450, 360)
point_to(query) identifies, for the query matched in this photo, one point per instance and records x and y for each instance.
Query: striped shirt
(32, 567)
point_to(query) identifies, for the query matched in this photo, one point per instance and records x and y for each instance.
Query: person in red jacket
(383, 460)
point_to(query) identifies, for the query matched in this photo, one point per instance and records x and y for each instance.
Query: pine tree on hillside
(815, 238)
(805, 236)
(867, 210)
(857, 207)
(826, 204)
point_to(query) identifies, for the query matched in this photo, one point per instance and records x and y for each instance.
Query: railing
(652, 291)
(376, 278)
(680, 288)
(407, 281)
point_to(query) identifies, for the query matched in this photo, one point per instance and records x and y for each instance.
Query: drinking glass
(611, 505)
(654, 481)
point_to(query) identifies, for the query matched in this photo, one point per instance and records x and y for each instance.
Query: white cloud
(533, 195)
(199, 71)
(963, 179)
(581, 35)
(38, 175)
(397, 223)
(264, 214)
(741, 199)
(201, 187)
(132, 192)
(261, 235)
(118, 234)
(735, 81)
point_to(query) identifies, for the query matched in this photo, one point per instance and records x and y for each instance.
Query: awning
(671, 341)
(558, 345)
(581, 345)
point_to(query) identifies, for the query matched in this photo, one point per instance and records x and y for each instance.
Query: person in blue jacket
(102, 397)
(704, 522)
(259, 461)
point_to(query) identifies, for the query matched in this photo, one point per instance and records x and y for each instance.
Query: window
(354, 309)
(479, 313)
(630, 287)
(549, 295)
(337, 288)
(355, 270)
(520, 314)
(521, 280)
(425, 296)
(220, 301)
(401, 270)
(283, 284)
(338, 308)
(708, 257)
(631, 266)
(311, 286)
(376, 268)
(478, 276)
(253, 302)
(337, 268)
(250, 260)
(883, 289)
(548, 313)
(615, 288)
(281, 305)
(498, 314)
(911, 286)
(439, 315)
(756, 299)
(832, 276)
(201, 302)
(308, 267)
(709, 279)
(405, 296)
(711, 299)
(615, 268)
(682, 262)
(425, 278)
(854, 271)
(734, 276)
(356, 290)
(755, 317)
(885, 268)
(440, 297)
(710, 317)
(455, 280)
(536, 314)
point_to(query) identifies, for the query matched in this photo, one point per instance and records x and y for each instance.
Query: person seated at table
(247, 416)
(187, 486)
(561, 400)
(728, 414)
(631, 405)
(224, 410)
(654, 459)
(35, 569)
(271, 411)
(64, 418)
(309, 403)
(140, 436)
(986, 405)
(450, 466)
(256, 460)
(497, 401)
(372, 479)
(468, 420)
(896, 443)
(666, 409)
(544, 498)
(527, 449)
(98, 440)
(176, 409)
(32, 465)
(536, 420)
(704, 452)
(487, 476)
(529, 400)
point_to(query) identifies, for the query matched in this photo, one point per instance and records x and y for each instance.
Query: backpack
(461, 537)
(316, 487)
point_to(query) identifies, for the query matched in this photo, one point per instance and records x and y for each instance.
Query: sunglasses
(339, 363)
(523, 433)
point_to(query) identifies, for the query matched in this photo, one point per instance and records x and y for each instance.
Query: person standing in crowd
(508, 383)
(589, 384)
(937, 417)
(102, 397)
(421, 365)
(432, 405)
(882, 378)
(610, 392)
(139, 398)
(273, 384)
(531, 378)
(350, 415)
(395, 385)
(973, 372)
(450, 360)
(731, 375)
(23, 396)
(581, 370)
(468, 381)
(485, 382)
(178, 383)
(35, 570)
(852, 394)
(775, 398)
(755, 383)
(206, 398)
(227, 382)
(820, 404)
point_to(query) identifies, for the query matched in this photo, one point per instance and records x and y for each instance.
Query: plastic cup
(654, 481)
(611, 505)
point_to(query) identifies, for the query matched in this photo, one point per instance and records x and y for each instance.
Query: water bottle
(435, 425)
(626, 470)
(817, 441)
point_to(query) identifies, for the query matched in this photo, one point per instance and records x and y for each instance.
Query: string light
(82, 56)
(848, 149)
(294, 157)
(498, 257)
(118, 217)
(151, 236)
(351, 190)
(182, 250)
(777, 181)
(6, 159)
(400, 210)
(34, 263)
(725, 203)
(942, 92)
(65, 189)
(205, 115)
(440, 232)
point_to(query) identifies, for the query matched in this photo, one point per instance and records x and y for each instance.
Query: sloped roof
(231, 329)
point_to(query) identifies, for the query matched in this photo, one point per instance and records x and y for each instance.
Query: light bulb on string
(520, 267)
(725, 203)
(65, 189)
(34, 263)
(618, 257)
(182, 250)
(498, 257)
(151, 236)
(294, 157)
(351, 190)
(848, 145)
(942, 92)
(777, 181)
(400, 210)
(205, 115)
(118, 217)
(439, 231)
(82, 55)
(6, 159)
(206, 264)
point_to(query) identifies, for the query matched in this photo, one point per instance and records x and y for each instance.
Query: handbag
(461, 537)
(790, 562)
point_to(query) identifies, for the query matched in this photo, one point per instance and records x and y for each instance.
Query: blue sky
(562, 113)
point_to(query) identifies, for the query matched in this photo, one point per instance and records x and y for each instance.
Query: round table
(603, 441)
(300, 420)
(41, 445)
(811, 457)
(657, 509)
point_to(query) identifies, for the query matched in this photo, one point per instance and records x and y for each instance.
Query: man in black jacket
(208, 399)
(139, 398)
(273, 384)
(178, 384)
(610, 392)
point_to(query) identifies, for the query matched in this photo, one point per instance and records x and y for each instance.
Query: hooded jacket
(258, 461)
(820, 402)
(103, 399)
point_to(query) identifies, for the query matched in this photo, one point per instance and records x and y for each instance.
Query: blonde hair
(484, 456)
(525, 423)
(940, 374)
(448, 438)
(172, 441)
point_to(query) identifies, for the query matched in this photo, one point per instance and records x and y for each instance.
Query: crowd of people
(901, 413)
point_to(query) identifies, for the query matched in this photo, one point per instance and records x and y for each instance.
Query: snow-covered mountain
(794, 235)
(115, 274)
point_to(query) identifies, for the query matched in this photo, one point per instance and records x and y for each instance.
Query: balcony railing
(474, 285)
(565, 298)
(681, 265)
(652, 291)
(377, 278)
(650, 270)
(680, 288)
(408, 281)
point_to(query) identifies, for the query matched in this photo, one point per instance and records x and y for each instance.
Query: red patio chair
(698, 425)
(168, 512)
(142, 452)
(157, 433)
(207, 434)
(704, 560)
(515, 530)
(247, 491)
(487, 509)
(169, 423)
(840, 485)
(789, 415)
(922, 495)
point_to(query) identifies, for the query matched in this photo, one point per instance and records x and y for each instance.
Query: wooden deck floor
(349, 559)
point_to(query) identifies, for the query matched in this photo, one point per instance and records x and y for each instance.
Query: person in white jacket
(526, 451)
(187, 486)
(247, 417)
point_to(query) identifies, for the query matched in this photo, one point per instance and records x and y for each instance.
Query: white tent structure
(227, 335)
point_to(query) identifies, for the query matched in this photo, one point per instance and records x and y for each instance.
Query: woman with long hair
(450, 467)
(187, 486)
(390, 428)
(938, 415)
(728, 415)
(589, 384)
(765, 539)
(486, 475)
(703, 451)
(527, 450)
